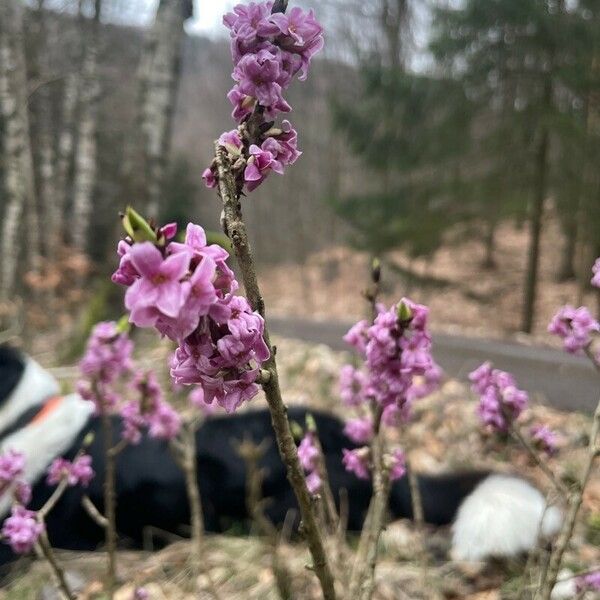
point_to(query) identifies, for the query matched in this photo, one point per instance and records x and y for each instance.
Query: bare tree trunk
(535, 231)
(535, 219)
(159, 77)
(489, 261)
(18, 185)
(66, 140)
(566, 269)
(42, 122)
(86, 151)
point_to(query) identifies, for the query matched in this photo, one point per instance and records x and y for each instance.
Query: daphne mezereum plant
(25, 530)
(185, 290)
(114, 384)
(500, 406)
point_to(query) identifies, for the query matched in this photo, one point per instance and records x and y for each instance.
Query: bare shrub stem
(236, 230)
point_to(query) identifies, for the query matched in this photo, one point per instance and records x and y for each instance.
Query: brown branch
(574, 504)
(57, 570)
(110, 505)
(54, 498)
(93, 512)
(561, 488)
(362, 580)
(419, 520)
(236, 230)
(251, 454)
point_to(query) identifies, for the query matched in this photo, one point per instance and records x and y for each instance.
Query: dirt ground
(462, 295)
(444, 436)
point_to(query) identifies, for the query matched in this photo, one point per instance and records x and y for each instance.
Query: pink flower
(314, 482)
(356, 461)
(352, 386)
(23, 493)
(308, 452)
(300, 33)
(21, 530)
(500, 401)
(357, 336)
(224, 359)
(164, 422)
(210, 180)
(232, 142)
(360, 430)
(589, 582)
(108, 353)
(159, 290)
(575, 326)
(149, 411)
(544, 438)
(398, 465)
(260, 76)
(140, 594)
(79, 472)
(196, 398)
(12, 466)
(259, 165)
(481, 378)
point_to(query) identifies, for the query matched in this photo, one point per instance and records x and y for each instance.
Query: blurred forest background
(457, 139)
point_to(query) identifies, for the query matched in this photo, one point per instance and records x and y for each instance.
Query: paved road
(561, 380)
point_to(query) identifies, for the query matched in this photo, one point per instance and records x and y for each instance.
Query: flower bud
(404, 312)
(376, 270)
(137, 227)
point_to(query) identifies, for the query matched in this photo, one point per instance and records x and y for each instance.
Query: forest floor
(443, 436)
(462, 295)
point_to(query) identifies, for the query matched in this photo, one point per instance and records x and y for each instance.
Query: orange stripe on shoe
(51, 405)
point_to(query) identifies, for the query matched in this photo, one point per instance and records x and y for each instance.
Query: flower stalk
(236, 230)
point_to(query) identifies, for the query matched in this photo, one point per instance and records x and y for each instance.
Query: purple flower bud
(21, 530)
(356, 461)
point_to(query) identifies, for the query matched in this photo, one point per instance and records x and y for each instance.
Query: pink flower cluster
(149, 411)
(308, 454)
(500, 401)
(357, 461)
(107, 357)
(78, 472)
(575, 326)
(398, 369)
(398, 362)
(185, 291)
(589, 582)
(544, 439)
(12, 465)
(12, 469)
(22, 530)
(268, 50)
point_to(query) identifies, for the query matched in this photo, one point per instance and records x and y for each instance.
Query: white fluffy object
(501, 518)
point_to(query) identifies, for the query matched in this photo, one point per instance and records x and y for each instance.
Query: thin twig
(574, 504)
(236, 230)
(110, 508)
(559, 485)
(46, 550)
(93, 512)
(54, 498)
(362, 579)
(419, 521)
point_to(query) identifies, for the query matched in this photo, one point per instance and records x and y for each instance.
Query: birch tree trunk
(84, 178)
(18, 184)
(158, 81)
(41, 105)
